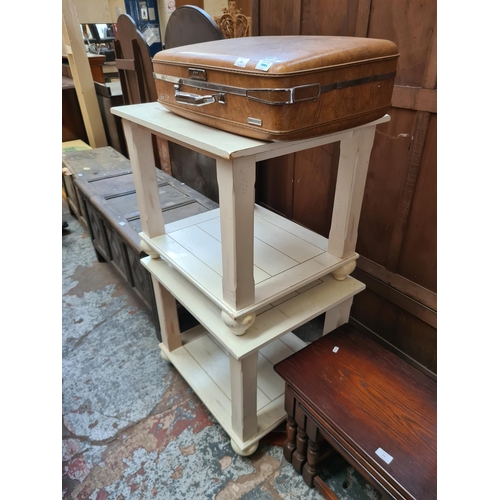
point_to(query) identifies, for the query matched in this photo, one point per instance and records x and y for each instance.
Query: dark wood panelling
(408, 192)
(279, 17)
(317, 167)
(196, 3)
(73, 126)
(386, 177)
(418, 259)
(406, 286)
(339, 19)
(415, 98)
(410, 25)
(274, 184)
(397, 230)
(403, 331)
(245, 7)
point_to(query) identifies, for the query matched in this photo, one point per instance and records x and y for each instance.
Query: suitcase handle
(197, 99)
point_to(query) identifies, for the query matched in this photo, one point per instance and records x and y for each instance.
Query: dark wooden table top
(374, 399)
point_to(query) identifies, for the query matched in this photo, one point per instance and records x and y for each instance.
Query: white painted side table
(248, 275)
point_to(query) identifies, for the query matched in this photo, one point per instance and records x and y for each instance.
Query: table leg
(244, 398)
(310, 467)
(353, 167)
(299, 455)
(140, 148)
(337, 316)
(169, 319)
(236, 180)
(290, 443)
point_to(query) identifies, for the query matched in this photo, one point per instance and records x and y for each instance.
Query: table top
(373, 400)
(214, 142)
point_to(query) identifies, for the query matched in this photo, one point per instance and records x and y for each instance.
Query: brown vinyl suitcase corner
(279, 88)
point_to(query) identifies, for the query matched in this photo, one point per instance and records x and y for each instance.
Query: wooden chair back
(133, 62)
(189, 24)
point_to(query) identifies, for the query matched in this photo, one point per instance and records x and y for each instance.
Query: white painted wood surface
(217, 143)
(167, 316)
(236, 180)
(268, 326)
(337, 316)
(140, 149)
(246, 397)
(287, 257)
(351, 178)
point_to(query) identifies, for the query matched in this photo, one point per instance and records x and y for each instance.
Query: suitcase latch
(197, 99)
(197, 74)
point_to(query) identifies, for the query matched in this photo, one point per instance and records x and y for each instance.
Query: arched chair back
(189, 24)
(133, 62)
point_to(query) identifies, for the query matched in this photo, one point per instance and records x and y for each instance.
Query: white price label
(241, 62)
(264, 64)
(384, 456)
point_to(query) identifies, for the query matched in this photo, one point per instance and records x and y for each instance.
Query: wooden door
(397, 231)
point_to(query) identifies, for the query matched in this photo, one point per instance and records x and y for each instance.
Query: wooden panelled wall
(397, 231)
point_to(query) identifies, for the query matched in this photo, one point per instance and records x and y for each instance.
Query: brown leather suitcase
(279, 87)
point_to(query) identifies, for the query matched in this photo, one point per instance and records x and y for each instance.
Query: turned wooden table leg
(310, 467)
(291, 439)
(300, 454)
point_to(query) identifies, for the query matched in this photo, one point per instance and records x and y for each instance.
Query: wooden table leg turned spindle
(310, 467)
(300, 454)
(291, 439)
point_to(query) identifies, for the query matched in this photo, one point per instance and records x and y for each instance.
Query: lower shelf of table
(272, 321)
(287, 256)
(204, 365)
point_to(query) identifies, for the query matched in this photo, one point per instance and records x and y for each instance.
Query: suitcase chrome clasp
(197, 99)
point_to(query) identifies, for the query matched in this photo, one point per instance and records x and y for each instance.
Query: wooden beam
(397, 298)
(82, 75)
(414, 98)
(410, 288)
(430, 75)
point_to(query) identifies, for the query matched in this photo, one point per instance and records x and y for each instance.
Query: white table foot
(163, 353)
(147, 249)
(341, 273)
(240, 325)
(246, 451)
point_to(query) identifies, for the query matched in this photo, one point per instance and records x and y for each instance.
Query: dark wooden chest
(103, 197)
